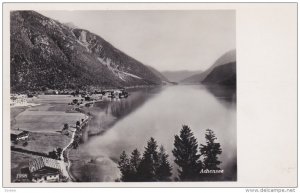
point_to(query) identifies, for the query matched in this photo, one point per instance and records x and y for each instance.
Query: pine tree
(135, 161)
(124, 166)
(149, 162)
(210, 151)
(186, 155)
(164, 170)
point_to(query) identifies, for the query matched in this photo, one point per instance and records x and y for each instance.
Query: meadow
(49, 116)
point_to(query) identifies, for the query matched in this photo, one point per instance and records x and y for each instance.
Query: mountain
(224, 75)
(194, 79)
(47, 54)
(177, 76)
(158, 74)
(227, 58)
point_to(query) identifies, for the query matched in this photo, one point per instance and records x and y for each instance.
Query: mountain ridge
(48, 54)
(224, 75)
(179, 75)
(228, 57)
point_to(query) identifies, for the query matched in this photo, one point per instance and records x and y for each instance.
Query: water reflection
(227, 97)
(132, 122)
(105, 113)
(223, 93)
(86, 167)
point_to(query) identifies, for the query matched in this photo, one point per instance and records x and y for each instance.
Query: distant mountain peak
(179, 75)
(226, 58)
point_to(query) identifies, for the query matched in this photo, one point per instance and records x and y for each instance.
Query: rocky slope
(47, 54)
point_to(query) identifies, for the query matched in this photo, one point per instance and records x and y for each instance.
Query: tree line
(194, 162)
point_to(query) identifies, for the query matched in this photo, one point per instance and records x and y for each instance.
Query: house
(18, 134)
(117, 92)
(45, 169)
(121, 93)
(96, 97)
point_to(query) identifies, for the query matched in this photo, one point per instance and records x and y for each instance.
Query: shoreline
(64, 155)
(102, 129)
(67, 157)
(78, 157)
(82, 130)
(68, 148)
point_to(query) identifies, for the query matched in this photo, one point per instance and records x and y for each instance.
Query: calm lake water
(159, 113)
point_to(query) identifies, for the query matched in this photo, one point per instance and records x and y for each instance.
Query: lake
(160, 113)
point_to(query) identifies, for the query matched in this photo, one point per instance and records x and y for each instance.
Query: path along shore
(65, 163)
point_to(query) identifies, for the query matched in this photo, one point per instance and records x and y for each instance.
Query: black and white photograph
(154, 95)
(130, 96)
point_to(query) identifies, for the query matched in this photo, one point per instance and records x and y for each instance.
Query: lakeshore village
(39, 148)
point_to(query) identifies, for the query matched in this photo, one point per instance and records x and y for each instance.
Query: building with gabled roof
(45, 169)
(18, 134)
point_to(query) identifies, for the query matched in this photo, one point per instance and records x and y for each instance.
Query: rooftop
(42, 162)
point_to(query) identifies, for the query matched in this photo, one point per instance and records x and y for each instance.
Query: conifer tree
(164, 170)
(135, 161)
(124, 166)
(186, 155)
(210, 151)
(149, 162)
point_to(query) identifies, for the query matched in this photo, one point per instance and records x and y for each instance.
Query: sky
(165, 40)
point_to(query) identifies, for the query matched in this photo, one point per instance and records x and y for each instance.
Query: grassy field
(60, 107)
(46, 121)
(45, 142)
(54, 99)
(15, 111)
(49, 116)
(18, 161)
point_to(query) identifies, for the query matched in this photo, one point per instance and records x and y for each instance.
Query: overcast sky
(166, 40)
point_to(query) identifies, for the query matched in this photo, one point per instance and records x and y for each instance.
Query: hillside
(158, 74)
(228, 57)
(224, 75)
(178, 76)
(47, 54)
